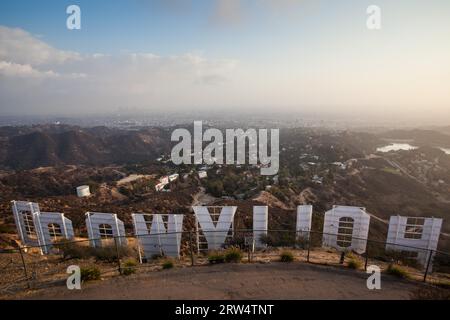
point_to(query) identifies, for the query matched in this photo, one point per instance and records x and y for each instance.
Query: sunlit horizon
(299, 57)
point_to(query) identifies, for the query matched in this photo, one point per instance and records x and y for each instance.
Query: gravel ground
(237, 281)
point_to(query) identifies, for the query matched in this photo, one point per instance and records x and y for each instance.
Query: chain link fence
(26, 268)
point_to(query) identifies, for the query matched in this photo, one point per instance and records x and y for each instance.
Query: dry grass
(430, 293)
(397, 271)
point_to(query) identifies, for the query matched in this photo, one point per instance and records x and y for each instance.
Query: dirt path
(201, 198)
(385, 221)
(133, 177)
(238, 281)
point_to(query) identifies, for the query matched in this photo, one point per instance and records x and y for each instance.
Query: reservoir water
(404, 146)
(396, 147)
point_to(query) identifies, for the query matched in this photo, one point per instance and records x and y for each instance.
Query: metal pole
(294, 245)
(133, 217)
(191, 249)
(252, 248)
(24, 267)
(367, 258)
(118, 255)
(341, 260)
(309, 245)
(428, 266)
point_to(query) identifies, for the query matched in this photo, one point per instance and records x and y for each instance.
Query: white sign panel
(104, 227)
(159, 234)
(260, 224)
(407, 232)
(53, 226)
(346, 228)
(304, 219)
(24, 218)
(215, 231)
(37, 228)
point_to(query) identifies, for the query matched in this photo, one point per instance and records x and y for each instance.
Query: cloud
(21, 47)
(35, 75)
(10, 69)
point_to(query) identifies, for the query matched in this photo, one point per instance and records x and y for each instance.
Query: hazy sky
(231, 55)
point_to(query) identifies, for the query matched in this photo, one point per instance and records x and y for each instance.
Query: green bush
(156, 256)
(215, 257)
(4, 228)
(129, 267)
(397, 271)
(109, 253)
(238, 241)
(286, 256)
(354, 263)
(168, 264)
(214, 187)
(233, 254)
(72, 250)
(402, 258)
(279, 239)
(90, 273)
(278, 193)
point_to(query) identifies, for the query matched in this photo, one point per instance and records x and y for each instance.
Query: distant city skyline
(230, 56)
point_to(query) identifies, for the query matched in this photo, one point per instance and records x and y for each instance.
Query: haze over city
(226, 56)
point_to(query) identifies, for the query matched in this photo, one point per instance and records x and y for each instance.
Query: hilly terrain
(28, 148)
(317, 166)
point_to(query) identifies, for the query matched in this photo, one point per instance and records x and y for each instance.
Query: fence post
(249, 250)
(25, 271)
(342, 258)
(118, 255)
(309, 245)
(367, 258)
(191, 249)
(294, 245)
(428, 266)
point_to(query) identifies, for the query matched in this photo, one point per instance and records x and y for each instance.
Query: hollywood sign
(345, 228)
(36, 228)
(158, 234)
